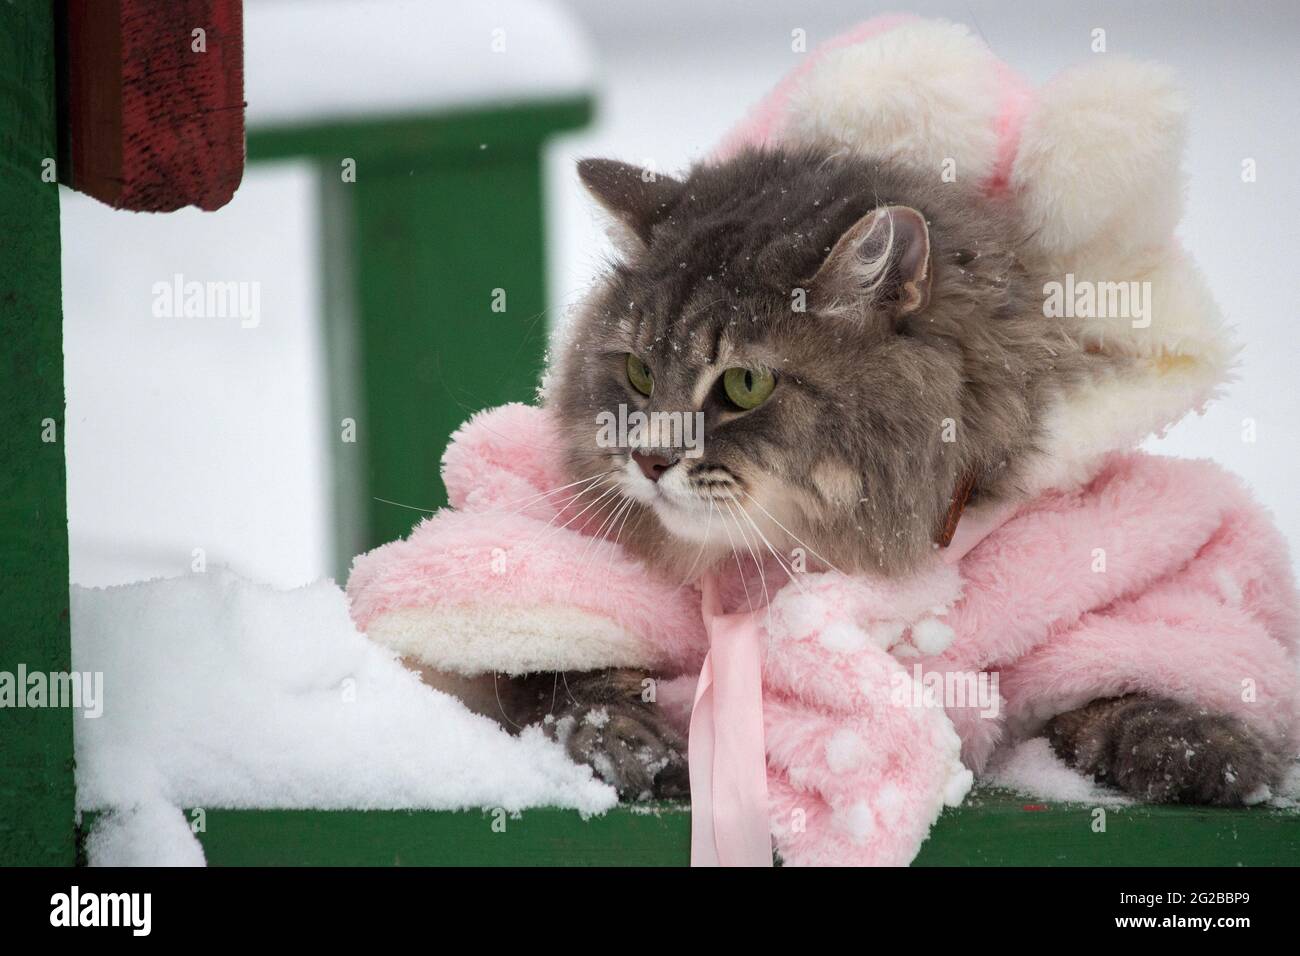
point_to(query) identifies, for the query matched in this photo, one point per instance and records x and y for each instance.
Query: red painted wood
(150, 122)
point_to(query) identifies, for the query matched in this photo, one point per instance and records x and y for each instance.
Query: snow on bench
(308, 61)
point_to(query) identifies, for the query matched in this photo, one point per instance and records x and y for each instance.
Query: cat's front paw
(1164, 751)
(628, 742)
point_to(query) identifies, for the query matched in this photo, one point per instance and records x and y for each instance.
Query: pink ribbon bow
(726, 750)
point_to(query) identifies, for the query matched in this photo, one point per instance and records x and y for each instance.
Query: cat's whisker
(533, 499)
(601, 534)
(537, 538)
(565, 677)
(762, 574)
(607, 514)
(789, 571)
(500, 706)
(389, 501)
(793, 536)
(474, 567)
(572, 500)
(522, 502)
(628, 508)
(601, 497)
(735, 554)
(758, 533)
(564, 503)
(708, 525)
(600, 510)
(745, 539)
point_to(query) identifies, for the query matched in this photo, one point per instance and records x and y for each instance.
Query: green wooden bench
(994, 828)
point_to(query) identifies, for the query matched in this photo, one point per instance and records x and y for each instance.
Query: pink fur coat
(1119, 572)
(1157, 575)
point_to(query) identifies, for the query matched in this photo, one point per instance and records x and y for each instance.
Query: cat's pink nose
(652, 466)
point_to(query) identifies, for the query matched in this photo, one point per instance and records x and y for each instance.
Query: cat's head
(801, 349)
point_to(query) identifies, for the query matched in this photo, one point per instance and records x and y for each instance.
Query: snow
(1288, 795)
(319, 60)
(1032, 768)
(197, 440)
(151, 833)
(221, 692)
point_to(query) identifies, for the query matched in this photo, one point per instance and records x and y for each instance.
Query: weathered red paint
(153, 112)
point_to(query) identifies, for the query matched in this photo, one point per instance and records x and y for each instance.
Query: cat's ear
(638, 198)
(883, 260)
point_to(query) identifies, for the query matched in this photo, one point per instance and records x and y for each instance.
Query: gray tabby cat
(826, 313)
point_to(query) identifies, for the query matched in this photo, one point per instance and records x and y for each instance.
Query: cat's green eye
(746, 387)
(639, 375)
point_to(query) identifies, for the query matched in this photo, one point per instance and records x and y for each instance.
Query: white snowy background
(197, 433)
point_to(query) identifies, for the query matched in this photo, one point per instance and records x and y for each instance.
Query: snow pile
(1032, 768)
(153, 833)
(220, 692)
(328, 60)
(1288, 792)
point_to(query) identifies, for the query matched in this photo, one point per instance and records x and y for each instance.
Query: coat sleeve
(1218, 631)
(512, 580)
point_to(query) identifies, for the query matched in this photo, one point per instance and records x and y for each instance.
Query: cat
(824, 312)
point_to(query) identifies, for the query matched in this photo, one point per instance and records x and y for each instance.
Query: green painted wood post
(435, 294)
(36, 772)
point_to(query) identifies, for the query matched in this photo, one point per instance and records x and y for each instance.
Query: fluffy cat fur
(878, 413)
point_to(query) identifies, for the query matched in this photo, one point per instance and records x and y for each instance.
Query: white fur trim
(1178, 364)
(921, 93)
(1099, 158)
(510, 640)
(1098, 178)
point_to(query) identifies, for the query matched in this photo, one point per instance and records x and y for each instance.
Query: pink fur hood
(1120, 572)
